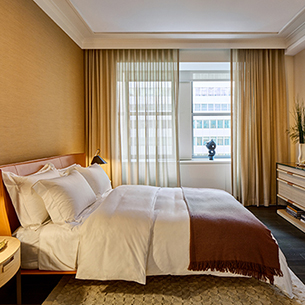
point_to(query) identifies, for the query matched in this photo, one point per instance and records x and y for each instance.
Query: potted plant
(296, 132)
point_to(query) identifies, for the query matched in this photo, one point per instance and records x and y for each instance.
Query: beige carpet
(173, 290)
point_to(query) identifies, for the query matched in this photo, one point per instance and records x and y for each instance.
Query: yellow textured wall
(41, 86)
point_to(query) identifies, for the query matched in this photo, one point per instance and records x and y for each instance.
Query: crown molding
(63, 13)
(293, 23)
(294, 33)
(291, 37)
(295, 42)
(182, 41)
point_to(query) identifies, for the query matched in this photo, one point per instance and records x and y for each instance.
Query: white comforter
(139, 231)
(114, 240)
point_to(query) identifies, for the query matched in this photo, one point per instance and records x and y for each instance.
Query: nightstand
(10, 263)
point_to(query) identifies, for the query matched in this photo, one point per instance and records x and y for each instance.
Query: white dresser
(291, 189)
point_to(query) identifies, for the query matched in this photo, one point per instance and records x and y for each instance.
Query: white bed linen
(58, 246)
(103, 255)
(53, 246)
(29, 246)
(114, 241)
(96, 249)
(50, 247)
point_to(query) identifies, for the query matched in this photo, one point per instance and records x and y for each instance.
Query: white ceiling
(184, 24)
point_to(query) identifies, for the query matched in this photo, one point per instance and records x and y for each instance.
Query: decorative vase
(301, 157)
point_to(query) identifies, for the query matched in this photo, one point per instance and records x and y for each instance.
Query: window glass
(224, 107)
(205, 140)
(213, 123)
(197, 107)
(227, 123)
(210, 87)
(219, 123)
(227, 141)
(204, 107)
(219, 141)
(213, 117)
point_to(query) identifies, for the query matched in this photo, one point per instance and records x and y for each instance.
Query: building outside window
(210, 106)
(211, 110)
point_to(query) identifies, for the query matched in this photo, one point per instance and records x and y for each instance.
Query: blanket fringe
(243, 268)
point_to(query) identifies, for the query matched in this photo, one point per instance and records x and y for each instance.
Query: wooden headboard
(8, 218)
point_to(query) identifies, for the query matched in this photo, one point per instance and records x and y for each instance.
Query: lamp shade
(97, 159)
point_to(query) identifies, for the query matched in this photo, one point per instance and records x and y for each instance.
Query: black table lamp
(97, 159)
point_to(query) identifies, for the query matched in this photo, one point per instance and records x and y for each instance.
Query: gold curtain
(259, 124)
(99, 96)
(131, 114)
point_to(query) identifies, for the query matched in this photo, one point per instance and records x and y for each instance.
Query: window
(206, 124)
(219, 141)
(215, 117)
(149, 123)
(210, 106)
(199, 124)
(219, 123)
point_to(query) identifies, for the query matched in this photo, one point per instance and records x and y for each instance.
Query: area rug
(186, 290)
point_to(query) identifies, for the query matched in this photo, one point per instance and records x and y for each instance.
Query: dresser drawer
(291, 192)
(291, 177)
(298, 171)
(9, 267)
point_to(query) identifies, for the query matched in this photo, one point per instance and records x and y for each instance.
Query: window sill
(206, 161)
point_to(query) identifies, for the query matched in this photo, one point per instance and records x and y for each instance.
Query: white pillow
(65, 197)
(29, 207)
(67, 170)
(96, 177)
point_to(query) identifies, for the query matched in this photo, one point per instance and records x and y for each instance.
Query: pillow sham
(66, 170)
(28, 205)
(65, 197)
(96, 177)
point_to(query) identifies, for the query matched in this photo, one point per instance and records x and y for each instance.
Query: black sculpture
(211, 147)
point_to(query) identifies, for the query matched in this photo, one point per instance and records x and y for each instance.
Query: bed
(127, 233)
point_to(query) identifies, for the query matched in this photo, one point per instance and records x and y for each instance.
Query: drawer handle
(291, 184)
(290, 201)
(6, 264)
(291, 173)
(285, 172)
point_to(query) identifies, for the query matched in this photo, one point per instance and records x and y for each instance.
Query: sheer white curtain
(132, 113)
(259, 123)
(147, 86)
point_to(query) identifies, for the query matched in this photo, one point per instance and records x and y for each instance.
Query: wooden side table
(10, 263)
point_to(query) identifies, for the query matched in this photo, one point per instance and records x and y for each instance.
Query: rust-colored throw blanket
(225, 236)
